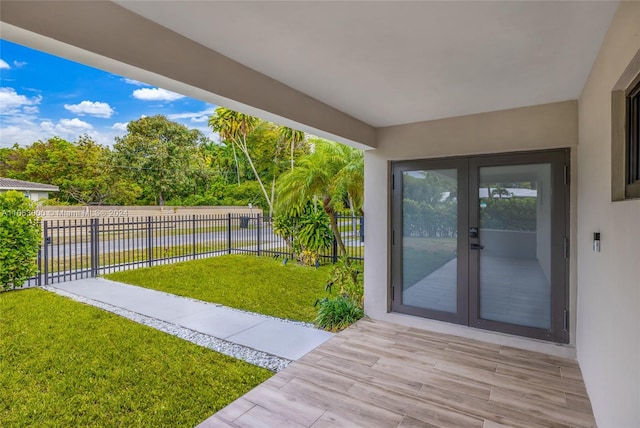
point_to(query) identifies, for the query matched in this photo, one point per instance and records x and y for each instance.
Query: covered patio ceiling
(337, 69)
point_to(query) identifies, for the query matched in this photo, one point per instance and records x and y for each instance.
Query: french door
(482, 241)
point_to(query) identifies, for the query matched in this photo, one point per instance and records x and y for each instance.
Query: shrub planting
(19, 240)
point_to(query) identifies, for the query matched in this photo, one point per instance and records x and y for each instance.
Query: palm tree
(231, 125)
(350, 178)
(234, 126)
(331, 174)
(292, 137)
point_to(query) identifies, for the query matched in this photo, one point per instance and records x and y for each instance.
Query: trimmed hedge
(19, 240)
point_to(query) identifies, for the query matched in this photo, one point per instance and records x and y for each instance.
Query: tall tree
(350, 178)
(159, 155)
(236, 127)
(97, 180)
(221, 161)
(292, 138)
(330, 175)
(48, 162)
(81, 169)
(231, 126)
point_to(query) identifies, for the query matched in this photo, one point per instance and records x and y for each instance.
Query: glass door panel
(481, 241)
(515, 239)
(429, 239)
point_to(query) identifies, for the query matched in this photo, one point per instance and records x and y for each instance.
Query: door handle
(476, 247)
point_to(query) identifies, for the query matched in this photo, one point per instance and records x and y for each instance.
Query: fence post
(46, 252)
(94, 250)
(39, 278)
(193, 228)
(361, 228)
(97, 246)
(229, 232)
(258, 234)
(149, 242)
(334, 250)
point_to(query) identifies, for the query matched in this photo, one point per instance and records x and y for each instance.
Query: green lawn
(63, 363)
(352, 252)
(422, 256)
(256, 284)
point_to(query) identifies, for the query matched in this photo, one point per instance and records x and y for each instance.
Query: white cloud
(194, 117)
(47, 125)
(31, 109)
(74, 123)
(200, 119)
(13, 103)
(4, 65)
(65, 128)
(120, 126)
(22, 135)
(134, 82)
(96, 109)
(25, 132)
(156, 94)
(19, 64)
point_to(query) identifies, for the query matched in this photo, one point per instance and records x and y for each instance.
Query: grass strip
(256, 284)
(63, 363)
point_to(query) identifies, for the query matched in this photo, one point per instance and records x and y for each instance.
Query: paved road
(69, 261)
(213, 239)
(239, 238)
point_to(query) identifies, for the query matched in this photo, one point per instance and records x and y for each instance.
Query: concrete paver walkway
(282, 338)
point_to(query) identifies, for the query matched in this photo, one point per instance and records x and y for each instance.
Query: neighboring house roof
(483, 192)
(512, 192)
(11, 184)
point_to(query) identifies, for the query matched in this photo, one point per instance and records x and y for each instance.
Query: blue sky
(42, 96)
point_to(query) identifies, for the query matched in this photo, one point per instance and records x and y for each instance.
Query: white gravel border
(250, 355)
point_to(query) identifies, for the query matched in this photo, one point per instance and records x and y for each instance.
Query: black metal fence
(74, 249)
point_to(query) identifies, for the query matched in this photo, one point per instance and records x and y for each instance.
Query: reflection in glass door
(515, 235)
(430, 208)
(429, 239)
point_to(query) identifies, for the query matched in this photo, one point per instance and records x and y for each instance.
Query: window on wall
(625, 134)
(633, 140)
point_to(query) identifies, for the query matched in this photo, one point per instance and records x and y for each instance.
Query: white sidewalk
(282, 338)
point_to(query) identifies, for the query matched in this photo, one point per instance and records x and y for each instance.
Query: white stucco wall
(523, 129)
(605, 286)
(35, 196)
(608, 341)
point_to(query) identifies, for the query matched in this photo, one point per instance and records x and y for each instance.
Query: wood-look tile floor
(377, 374)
